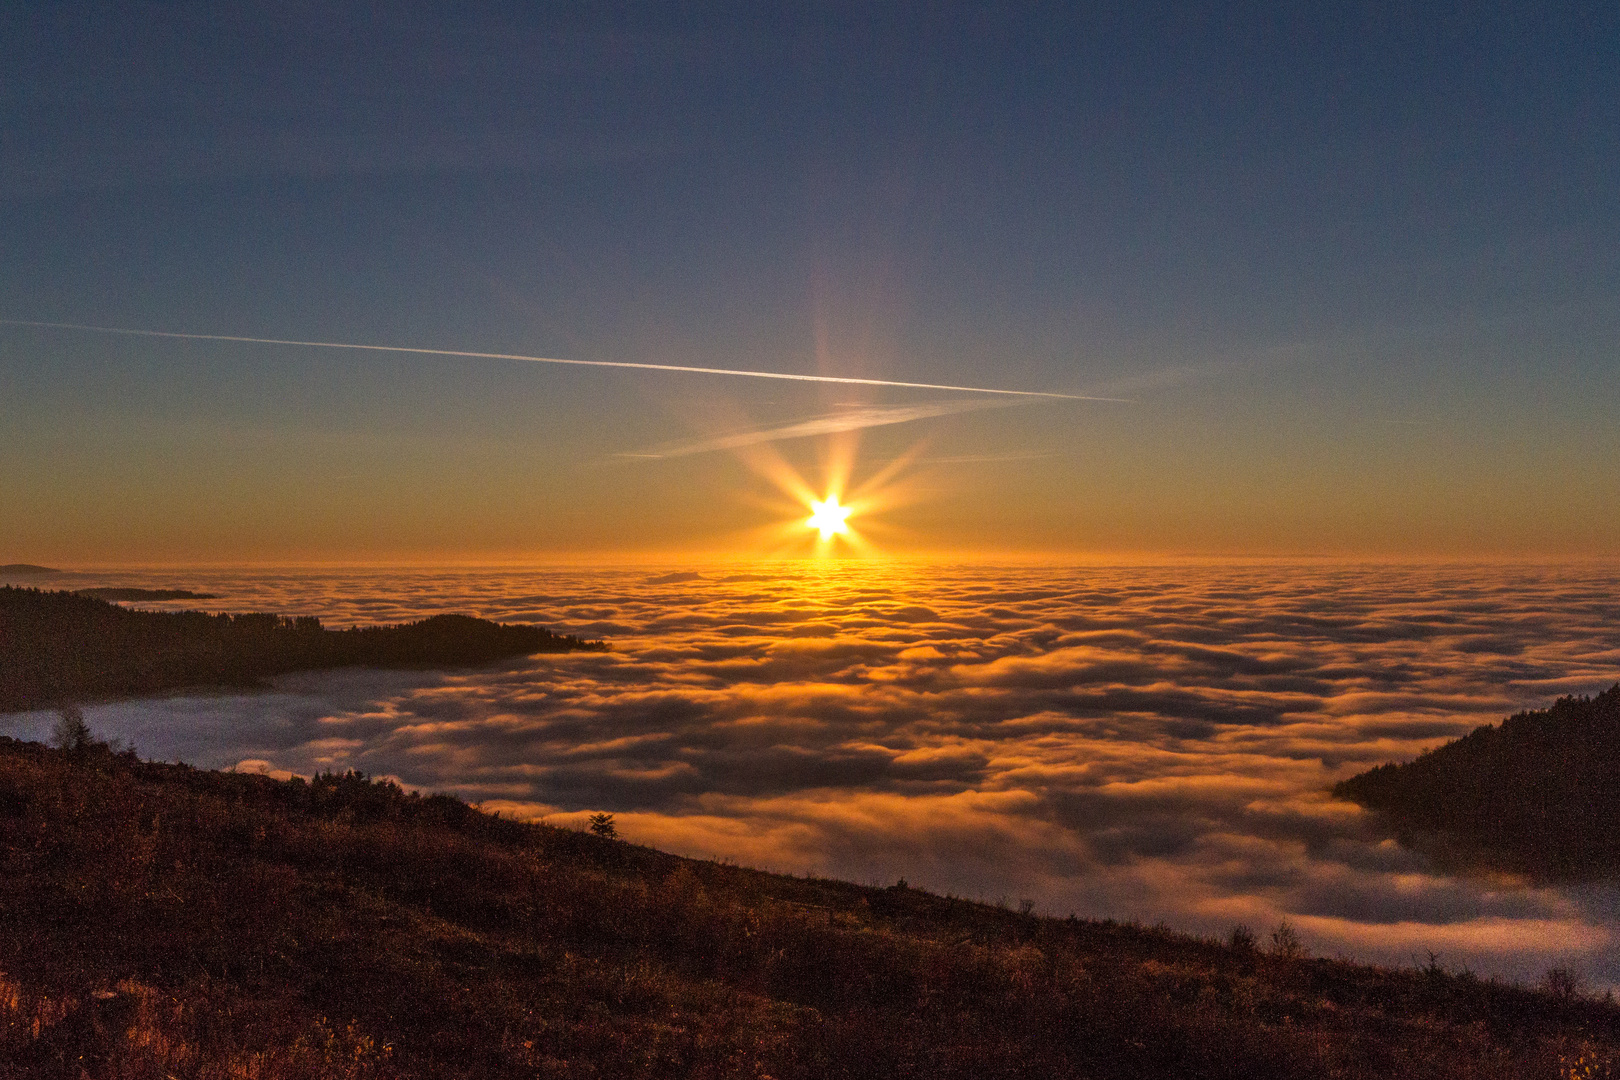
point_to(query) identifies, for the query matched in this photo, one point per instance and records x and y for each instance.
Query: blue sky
(1356, 267)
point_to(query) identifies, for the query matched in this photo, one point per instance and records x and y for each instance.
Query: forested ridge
(59, 647)
(1539, 793)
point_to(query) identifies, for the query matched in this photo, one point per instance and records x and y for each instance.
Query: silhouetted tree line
(145, 594)
(1540, 793)
(59, 646)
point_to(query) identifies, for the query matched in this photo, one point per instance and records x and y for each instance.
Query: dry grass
(160, 921)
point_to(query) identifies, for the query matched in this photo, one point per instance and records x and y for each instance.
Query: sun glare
(844, 510)
(829, 517)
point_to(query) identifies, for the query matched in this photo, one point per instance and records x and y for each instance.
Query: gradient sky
(1357, 269)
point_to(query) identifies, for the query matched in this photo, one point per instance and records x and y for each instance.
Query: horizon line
(624, 559)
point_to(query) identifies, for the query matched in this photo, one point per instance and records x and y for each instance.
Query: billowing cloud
(1156, 743)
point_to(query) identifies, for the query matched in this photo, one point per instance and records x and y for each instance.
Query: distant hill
(161, 921)
(1538, 794)
(146, 594)
(22, 569)
(61, 646)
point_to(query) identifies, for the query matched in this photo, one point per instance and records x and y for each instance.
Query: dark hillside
(157, 921)
(1540, 793)
(60, 646)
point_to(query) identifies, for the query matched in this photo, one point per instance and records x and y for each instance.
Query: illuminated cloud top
(1136, 741)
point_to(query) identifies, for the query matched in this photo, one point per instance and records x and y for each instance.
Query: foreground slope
(160, 921)
(1539, 794)
(59, 647)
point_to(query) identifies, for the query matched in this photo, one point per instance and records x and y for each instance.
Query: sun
(829, 517)
(845, 510)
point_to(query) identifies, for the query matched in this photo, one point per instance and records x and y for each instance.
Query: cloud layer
(1154, 743)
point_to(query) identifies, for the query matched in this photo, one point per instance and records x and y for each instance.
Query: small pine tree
(1285, 942)
(602, 825)
(70, 732)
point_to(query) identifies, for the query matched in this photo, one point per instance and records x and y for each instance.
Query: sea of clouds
(1153, 742)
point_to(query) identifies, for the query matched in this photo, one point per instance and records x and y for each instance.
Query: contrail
(854, 420)
(554, 360)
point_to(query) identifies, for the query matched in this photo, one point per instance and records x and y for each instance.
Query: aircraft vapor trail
(554, 360)
(855, 420)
